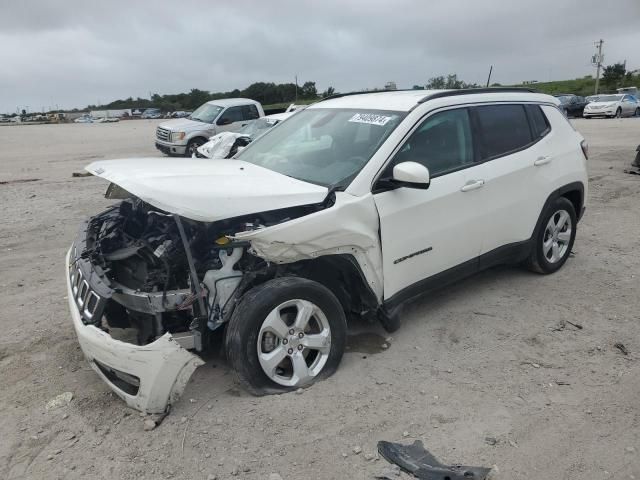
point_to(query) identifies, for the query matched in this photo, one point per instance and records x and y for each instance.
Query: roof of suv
(406, 100)
(228, 102)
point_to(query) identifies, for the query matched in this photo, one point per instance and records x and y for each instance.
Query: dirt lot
(486, 358)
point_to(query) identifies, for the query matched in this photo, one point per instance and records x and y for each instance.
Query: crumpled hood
(207, 191)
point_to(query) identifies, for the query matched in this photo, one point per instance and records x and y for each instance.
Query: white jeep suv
(348, 208)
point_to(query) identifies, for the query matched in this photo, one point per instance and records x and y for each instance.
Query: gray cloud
(76, 52)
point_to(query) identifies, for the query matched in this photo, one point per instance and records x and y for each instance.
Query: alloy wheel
(294, 343)
(557, 236)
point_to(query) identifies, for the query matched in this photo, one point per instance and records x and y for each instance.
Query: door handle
(542, 161)
(472, 185)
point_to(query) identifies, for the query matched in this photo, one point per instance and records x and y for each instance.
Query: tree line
(267, 93)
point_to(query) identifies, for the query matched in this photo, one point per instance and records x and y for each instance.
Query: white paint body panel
(207, 191)
(350, 226)
(163, 366)
(516, 189)
(441, 218)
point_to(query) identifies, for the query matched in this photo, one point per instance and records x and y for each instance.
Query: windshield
(327, 147)
(206, 113)
(257, 127)
(610, 98)
(565, 98)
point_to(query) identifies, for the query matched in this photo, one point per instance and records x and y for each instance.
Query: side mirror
(411, 175)
(224, 121)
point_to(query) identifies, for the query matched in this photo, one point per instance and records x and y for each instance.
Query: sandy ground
(484, 359)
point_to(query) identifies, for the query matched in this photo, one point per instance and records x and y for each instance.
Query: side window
(442, 143)
(233, 113)
(250, 112)
(503, 129)
(539, 123)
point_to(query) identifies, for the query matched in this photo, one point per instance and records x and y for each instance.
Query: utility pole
(489, 78)
(596, 60)
(296, 77)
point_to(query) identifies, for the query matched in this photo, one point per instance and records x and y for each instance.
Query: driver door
(437, 231)
(231, 120)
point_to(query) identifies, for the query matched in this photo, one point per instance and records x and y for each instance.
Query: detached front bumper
(148, 378)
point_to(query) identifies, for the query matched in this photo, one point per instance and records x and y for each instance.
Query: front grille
(89, 303)
(163, 134)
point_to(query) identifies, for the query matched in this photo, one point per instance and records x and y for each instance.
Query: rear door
(427, 232)
(516, 146)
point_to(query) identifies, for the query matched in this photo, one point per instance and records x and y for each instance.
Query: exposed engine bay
(159, 272)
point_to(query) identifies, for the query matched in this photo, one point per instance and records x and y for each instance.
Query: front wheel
(192, 146)
(619, 113)
(554, 240)
(285, 334)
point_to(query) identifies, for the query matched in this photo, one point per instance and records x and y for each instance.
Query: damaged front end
(146, 286)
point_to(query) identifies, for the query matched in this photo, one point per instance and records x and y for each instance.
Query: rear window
(539, 123)
(250, 112)
(503, 129)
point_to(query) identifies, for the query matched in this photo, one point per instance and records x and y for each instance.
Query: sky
(72, 53)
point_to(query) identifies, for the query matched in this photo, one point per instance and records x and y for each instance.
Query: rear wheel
(637, 114)
(285, 334)
(554, 240)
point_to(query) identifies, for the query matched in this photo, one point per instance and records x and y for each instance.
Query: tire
(619, 113)
(193, 145)
(637, 113)
(251, 337)
(551, 248)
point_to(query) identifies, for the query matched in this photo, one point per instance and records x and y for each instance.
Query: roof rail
(471, 91)
(348, 94)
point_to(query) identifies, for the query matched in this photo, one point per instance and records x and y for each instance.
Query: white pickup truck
(184, 135)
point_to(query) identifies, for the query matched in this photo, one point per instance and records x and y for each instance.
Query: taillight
(585, 149)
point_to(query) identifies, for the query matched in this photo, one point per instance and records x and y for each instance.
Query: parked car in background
(629, 90)
(619, 105)
(227, 144)
(106, 120)
(572, 105)
(86, 118)
(183, 136)
(152, 113)
(345, 210)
